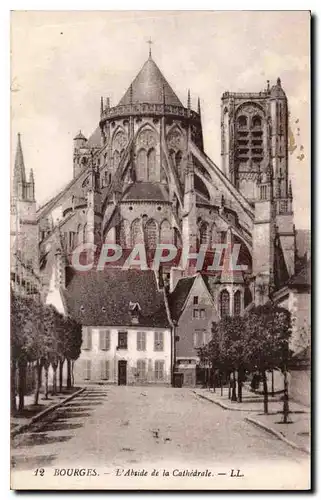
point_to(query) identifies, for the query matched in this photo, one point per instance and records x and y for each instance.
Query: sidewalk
(31, 410)
(295, 434)
(251, 402)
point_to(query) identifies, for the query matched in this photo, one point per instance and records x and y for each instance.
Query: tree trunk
(22, 384)
(38, 381)
(272, 381)
(72, 374)
(13, 388)
(229, 385)
(46, 381)
(233, 398)
(221, 382)
(61, 366)
(286, 397)
(239, 384)
(213, 379)
(54, 379)
(68, 374)
(265, 392)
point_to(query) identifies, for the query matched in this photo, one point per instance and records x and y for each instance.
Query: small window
(87, 369)
(104, 369)
(195, 300)
(159, 341)
(104, 340)
(141, 341)
(87, 339)
(202, 313)
(159, 370)
(122, 340)
(196, 314)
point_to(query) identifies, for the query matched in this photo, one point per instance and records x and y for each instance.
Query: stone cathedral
(144, 176)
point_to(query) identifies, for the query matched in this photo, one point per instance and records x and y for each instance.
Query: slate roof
(145, 191)
(302, 240)
(102, 298)
(183, 287)
(179, 295)
(148, 87)
(301, 278)
(94, 140)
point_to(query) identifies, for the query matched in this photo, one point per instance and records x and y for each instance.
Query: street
(117, 427)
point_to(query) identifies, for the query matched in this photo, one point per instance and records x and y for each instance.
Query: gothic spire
(101, 106)
(189, 99)
(19, 175)
(31, 177)
(199, 106)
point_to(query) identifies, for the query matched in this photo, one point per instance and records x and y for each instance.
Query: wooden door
(122, 372)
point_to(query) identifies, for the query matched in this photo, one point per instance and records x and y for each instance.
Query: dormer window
(134, 309)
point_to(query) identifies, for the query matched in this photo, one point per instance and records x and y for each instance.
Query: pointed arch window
(204, 233)
(116, 159)
(122, 231)
(237, 303)
(242, 121)
(151, 233)
(225, 304)
(256, 121)
(141, 165)
(178, 162)
(136, 232)
(163, 177)
(79, 234)
(166, 232)
(84, 234)
(151, 165)
(215, 237)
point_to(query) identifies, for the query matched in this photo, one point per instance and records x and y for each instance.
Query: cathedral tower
(24, 229)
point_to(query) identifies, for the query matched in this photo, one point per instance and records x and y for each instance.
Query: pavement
(296, 433)
(31, 410)
(111, 428)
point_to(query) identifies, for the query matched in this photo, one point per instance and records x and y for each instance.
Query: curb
(222, 405)
(226, 407)
(43, 413)
(277, 434)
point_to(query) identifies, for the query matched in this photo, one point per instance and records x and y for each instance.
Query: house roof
(102, 298)
(179, 295)
(149, 86)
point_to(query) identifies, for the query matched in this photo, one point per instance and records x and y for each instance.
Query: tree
(72, 345)
(267, 333)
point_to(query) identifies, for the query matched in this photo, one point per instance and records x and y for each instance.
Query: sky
(62, 62)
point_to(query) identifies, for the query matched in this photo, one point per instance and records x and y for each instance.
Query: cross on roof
(150, 43)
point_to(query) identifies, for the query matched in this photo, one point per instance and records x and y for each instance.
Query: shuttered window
(87, 369)
(86, 338)
(159, 370)
(141, 370)
(141, 341)
(104, 340)
(104, 369)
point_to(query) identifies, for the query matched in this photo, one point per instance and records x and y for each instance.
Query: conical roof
(149, 86)
(19, 175)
